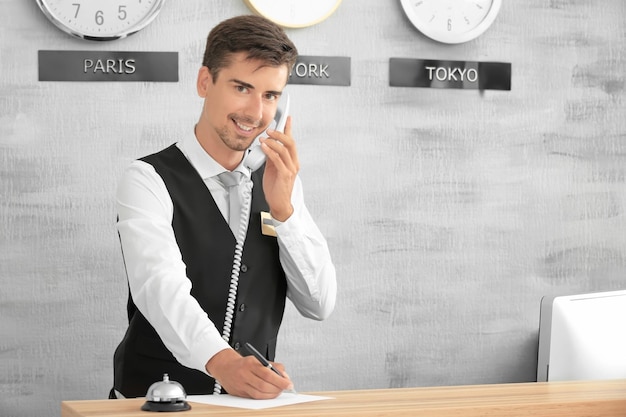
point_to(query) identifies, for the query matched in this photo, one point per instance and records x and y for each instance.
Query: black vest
(207, 246)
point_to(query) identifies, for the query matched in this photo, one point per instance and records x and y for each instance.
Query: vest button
(244, 268)
(242, 307)
(237, 346)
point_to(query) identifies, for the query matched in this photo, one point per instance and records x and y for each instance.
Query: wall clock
(451, 21)
(100, 20)
(294, 13)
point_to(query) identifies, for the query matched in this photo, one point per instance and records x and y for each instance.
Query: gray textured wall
(449, 213)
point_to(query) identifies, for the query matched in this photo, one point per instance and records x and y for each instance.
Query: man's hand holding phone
(281, 169)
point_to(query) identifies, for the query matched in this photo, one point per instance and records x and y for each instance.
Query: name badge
(267, 224)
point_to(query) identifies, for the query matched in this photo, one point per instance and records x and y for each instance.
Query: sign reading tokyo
(430, 73)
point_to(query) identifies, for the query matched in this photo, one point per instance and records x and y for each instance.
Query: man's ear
(204, 79)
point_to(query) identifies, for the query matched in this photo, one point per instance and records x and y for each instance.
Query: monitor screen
(582, 337)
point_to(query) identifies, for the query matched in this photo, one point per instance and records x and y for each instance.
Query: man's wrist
(282, 215)
(219, 359)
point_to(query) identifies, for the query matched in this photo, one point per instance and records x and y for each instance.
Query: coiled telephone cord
(234, 275)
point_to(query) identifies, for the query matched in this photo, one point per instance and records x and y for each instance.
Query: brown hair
(260, 38)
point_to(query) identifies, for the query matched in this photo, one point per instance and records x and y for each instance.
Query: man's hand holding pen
(245, 376)
(269, 365)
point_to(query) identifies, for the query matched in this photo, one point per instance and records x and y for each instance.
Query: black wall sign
(108, 66)
(321, 70)
(430, 73)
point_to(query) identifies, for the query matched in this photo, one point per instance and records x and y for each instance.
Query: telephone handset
(256, 157)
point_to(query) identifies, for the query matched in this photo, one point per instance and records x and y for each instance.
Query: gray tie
(231, 181)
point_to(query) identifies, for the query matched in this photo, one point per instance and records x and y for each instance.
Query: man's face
(240, 102)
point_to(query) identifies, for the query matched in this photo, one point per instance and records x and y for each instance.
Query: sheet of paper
(227, 400)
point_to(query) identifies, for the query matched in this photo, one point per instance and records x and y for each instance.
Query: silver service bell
(166, 395)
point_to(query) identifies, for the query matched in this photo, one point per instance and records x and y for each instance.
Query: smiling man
(196, 294)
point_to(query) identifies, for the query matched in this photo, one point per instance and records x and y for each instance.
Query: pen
(265, 362)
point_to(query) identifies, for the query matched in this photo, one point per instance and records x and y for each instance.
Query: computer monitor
(582, 337)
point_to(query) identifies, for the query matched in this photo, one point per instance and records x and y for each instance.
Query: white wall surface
(449, 213)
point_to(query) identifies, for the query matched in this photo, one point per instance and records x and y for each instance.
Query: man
(178, 247)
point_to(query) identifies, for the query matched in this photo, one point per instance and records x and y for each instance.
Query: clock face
(100, 19)
(294, 13)
(451, 21)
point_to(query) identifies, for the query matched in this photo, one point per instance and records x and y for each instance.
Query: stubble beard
(234, 141)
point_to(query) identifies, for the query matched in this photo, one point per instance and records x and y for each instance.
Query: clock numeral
(99, 17)
(77, 5)
(121, 13)
(449, 25)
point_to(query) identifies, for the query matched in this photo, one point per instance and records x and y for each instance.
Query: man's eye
(242, 89)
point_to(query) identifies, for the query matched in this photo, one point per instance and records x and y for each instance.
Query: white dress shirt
(157, 276)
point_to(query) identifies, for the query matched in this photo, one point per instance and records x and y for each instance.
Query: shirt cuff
(204, 348)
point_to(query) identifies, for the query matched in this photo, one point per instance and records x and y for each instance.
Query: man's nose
(254, 108)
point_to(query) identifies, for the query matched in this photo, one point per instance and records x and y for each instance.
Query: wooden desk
(566, 399)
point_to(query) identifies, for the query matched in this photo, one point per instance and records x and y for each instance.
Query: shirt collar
(204, 163)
